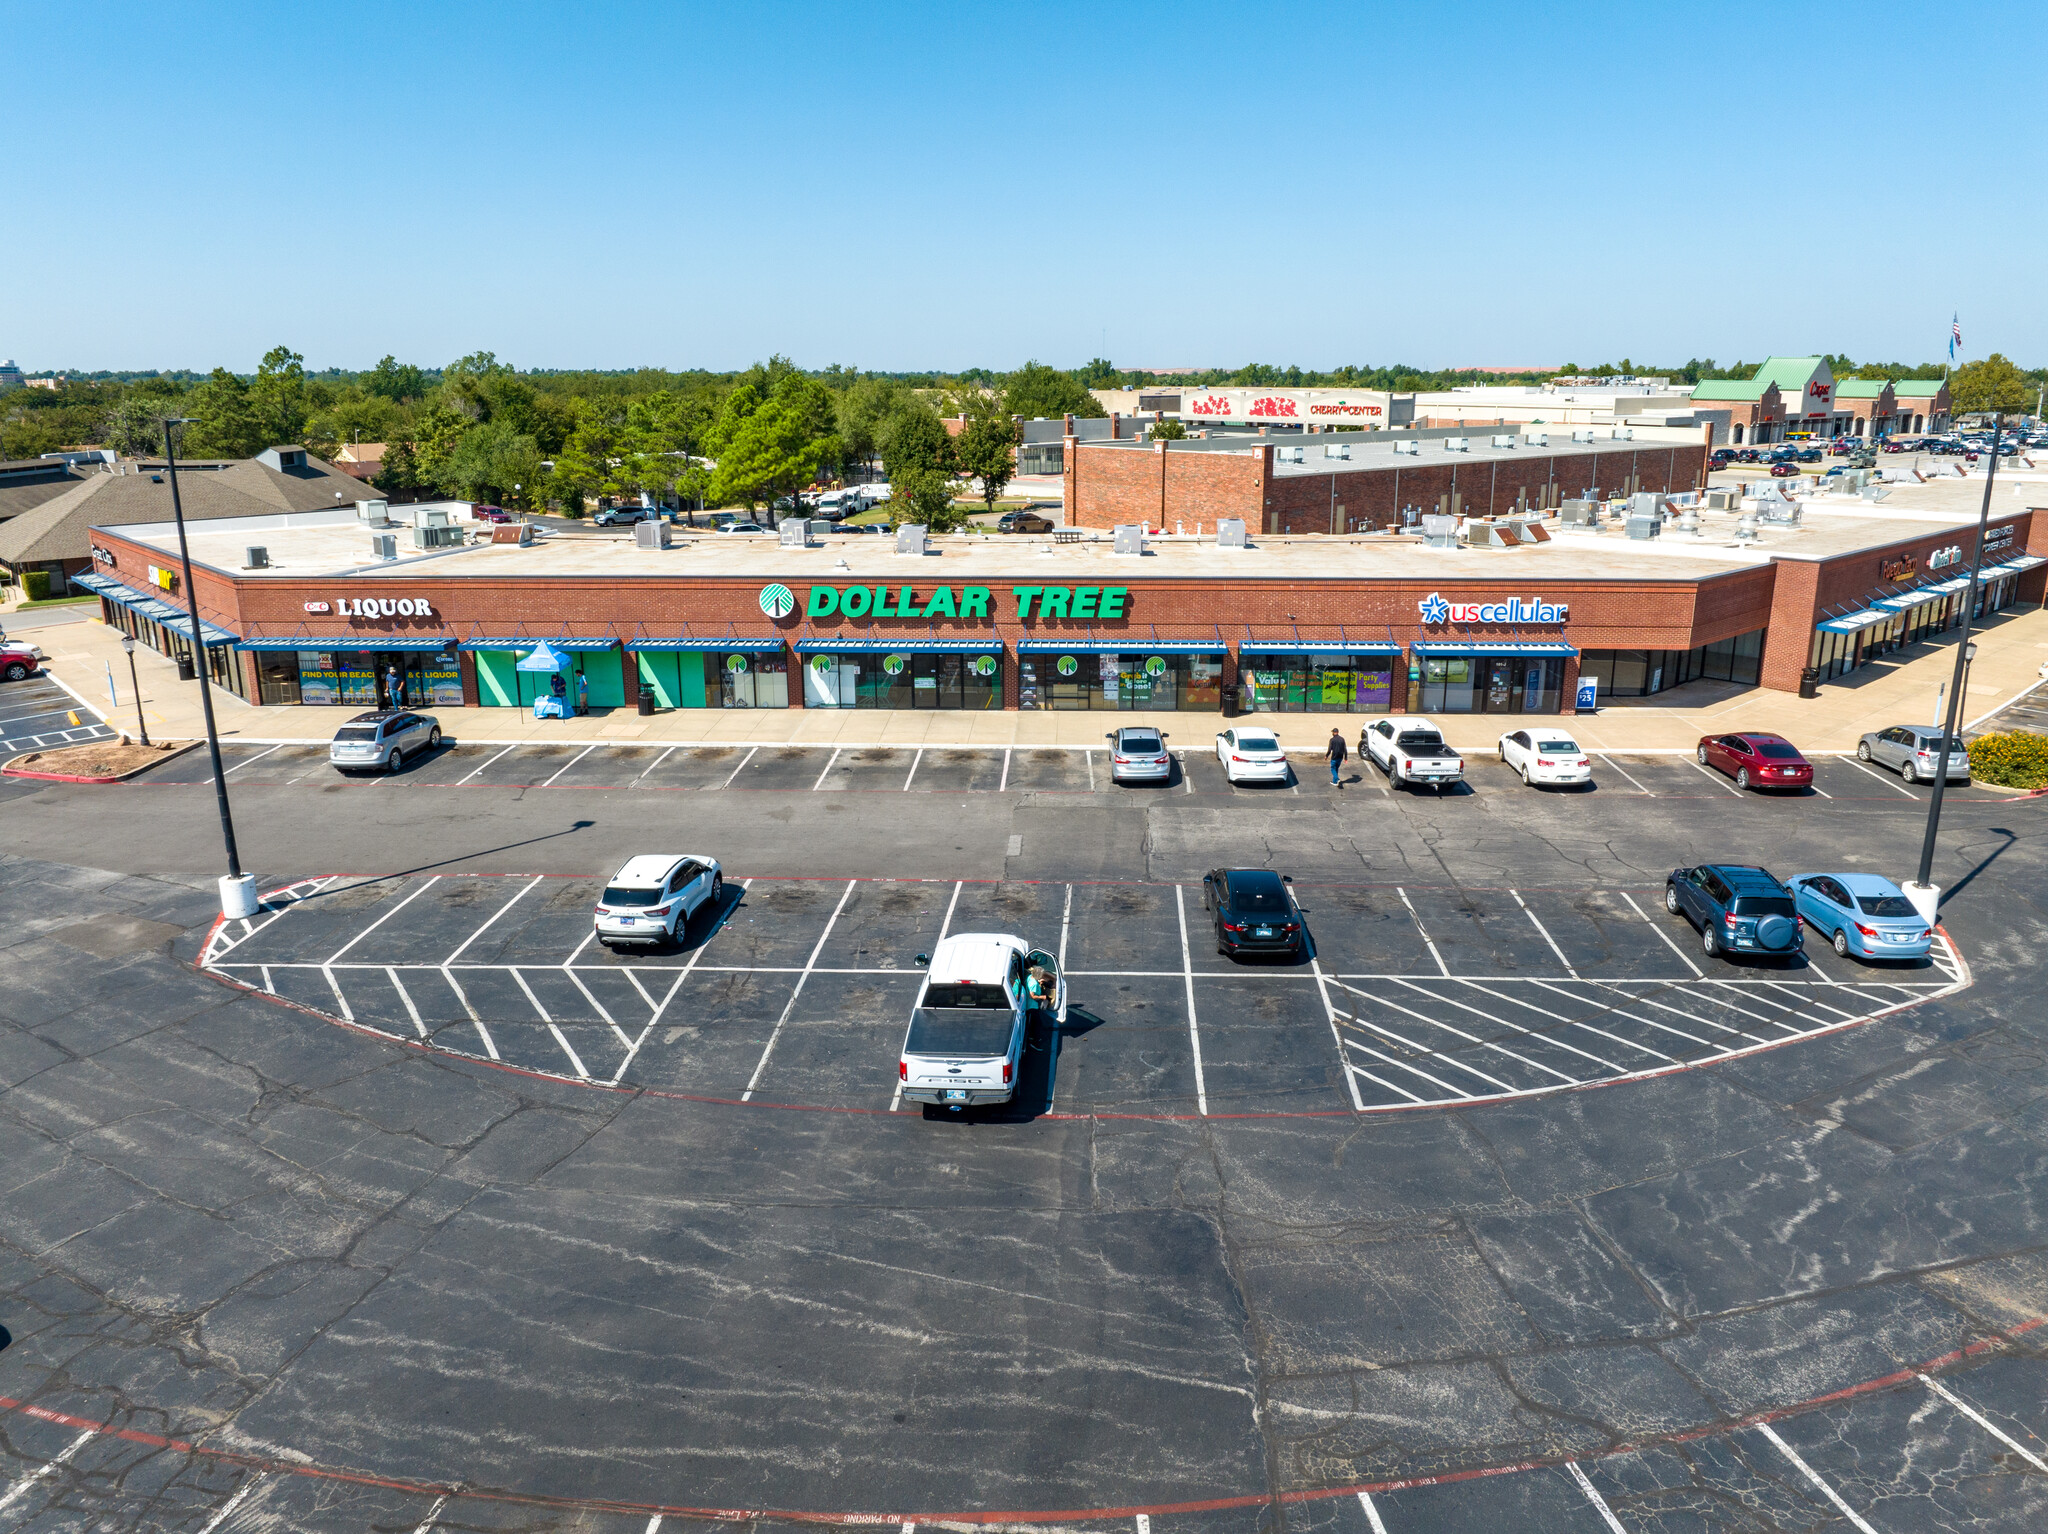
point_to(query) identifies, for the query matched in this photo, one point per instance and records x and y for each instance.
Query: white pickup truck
(965, 1045)
(1410, 749)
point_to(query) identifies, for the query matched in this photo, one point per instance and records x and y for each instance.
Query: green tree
(1036, 390)
(921, 497)
(1100, 373)
(776, 448)
(913, 437)
(278, 397)
(225, 424)
(134, 428)
(354, 416)
(986, 446)
(489, 460)
(1166, 430)
(1991, 387)
(864, 411)
(395, 380)
(31, 437)
(434, 438)
(400, 469)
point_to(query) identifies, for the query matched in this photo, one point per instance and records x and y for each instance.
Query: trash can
(1809, 682)
(646, 703)
(186, 672)
(1231, 695)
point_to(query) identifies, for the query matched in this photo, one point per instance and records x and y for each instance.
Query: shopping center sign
(1435, 610)
(1104, 602)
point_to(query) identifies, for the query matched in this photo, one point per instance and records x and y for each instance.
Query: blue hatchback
(1862, 914)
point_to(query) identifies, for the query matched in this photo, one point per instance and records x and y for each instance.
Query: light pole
(135, 685)
(1925, 895)
(237, 890)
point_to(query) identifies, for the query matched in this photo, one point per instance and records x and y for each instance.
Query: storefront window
(1491, 684)
(909, 679)
(1132, 680)
(1283, 683)
(757, 679)
(1643, 673)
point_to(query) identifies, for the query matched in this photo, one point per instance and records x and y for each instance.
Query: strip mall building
(1299, 621)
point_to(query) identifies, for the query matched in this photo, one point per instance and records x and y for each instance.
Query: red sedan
(16, 662)
(491, 514)
(1756, 761)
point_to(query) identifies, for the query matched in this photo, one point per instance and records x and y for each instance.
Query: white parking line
(1444, 968)
(1315, 965)
(1707, 772)
(816, 949)
(1005, 780)
(228, 1507)
(827, 770)
(1567, 963)
(434, 1512)
(655, 763)
(742, 766)
(1984, 1422)
(570, 763)
(1697, 971)
(1900, 788)
(1531, 1033)
(1599, 1502)
(506, 752)
(21, 1487)
(490, 1044)
(231, 771)
(1372, 1514)
(677, 984)
(409, 899)
(1089, 755)
(493, 917)
(1473, 1038)
(339, 1000)
(1808, 1471)
(1615, 1038)
(913, 769)
(406, 996)
(598, 1006)
(1188, 976)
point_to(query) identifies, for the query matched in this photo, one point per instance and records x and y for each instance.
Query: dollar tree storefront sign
(1106, 602)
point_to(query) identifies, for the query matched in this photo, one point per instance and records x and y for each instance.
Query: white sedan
(1251, 756)
(1545, 756)
(651, 898)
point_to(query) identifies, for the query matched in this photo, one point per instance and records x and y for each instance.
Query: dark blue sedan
(1862, 914)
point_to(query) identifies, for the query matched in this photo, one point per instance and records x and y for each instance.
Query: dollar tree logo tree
(777, 600)
(735, 663)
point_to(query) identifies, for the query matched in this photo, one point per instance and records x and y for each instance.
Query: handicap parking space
(38, 715)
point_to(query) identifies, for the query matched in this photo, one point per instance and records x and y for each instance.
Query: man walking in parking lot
(1336, 753)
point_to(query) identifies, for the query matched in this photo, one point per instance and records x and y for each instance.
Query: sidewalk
(2011, 648)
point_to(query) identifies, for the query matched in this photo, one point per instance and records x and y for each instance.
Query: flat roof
(1376, 450)
(339, 549)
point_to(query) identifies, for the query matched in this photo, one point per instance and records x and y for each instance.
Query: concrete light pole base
(1926, 899)
(238, 896)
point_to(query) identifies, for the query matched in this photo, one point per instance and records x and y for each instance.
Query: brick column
(1569, 694)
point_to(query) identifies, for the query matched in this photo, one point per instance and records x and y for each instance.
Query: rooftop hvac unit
(375, 513)
(1337, 450)
(1410, 447)
(1722, 500)
(1288, 455)
(1230, 534)
(1623, 434)
(1582, 436)
(1439, 532)
(1538, 439)
(1488, 535)
(1457, 444)
(1646, 504)
(1875, 493)
(436, 517)
(255, 557)
(1130, 536)
(910, 539)
(1505, 439)
(795, 532)
(383, 545)
(1579, 513)
(520, 533)
(436, 537)
(651, 534)
(1645, 527)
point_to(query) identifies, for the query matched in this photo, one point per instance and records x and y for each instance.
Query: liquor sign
(382, 607)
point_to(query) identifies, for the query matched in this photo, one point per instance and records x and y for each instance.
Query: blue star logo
(1434, 608)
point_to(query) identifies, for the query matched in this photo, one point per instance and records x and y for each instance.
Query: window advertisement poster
(355, 677)
(1027, 681)
(1110, 671)
(443, 676)
(317, 682)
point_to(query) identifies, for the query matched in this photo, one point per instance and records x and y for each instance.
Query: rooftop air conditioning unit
(1645, 527)
(1505, 439)
(1457, 444)
(375, 513)
(1439, 532)
(1623, 434)
(910, 538)
(433, 517)
(1130, 537)
(1337, 450)
(431, 537)
(383, 545)
(1289, 455)
(255, 557)
(1488, 535)
(1722, 500)
(1538, 439)
(651, 534)
(1410, 447)
(1646, 504)
(1230, 534)
(1582, 436)
(795, 531)
(1579, 513)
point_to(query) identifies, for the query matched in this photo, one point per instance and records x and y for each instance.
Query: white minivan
(965, 1045)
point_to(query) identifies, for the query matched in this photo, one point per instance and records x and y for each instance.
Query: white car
(1251, 756)
(967, 1031)
(651, 898)
(1545, 756)
(1411, 749)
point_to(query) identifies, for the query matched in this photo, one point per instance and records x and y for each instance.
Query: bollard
(238, 896)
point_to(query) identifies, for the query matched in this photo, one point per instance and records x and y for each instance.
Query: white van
(965, 1044)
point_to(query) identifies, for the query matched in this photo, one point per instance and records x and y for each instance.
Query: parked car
(1748, 455)
(1721, 458)
(1254, 911)
(652, 897)
(1138, 755)
(1756, 761)
(1914, 751)
(1784, 471)
(382, 738)
(491, 514)
(1545, 757)
(741, 527)
(965, 1044)
(1862, 914)
(1251, 756)
(623, 516)
(17, 662)
(1023, 522)
(1411, 749)
(1738, 909)
(1811, 455)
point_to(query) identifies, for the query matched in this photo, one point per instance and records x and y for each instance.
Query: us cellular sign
(1435, 609)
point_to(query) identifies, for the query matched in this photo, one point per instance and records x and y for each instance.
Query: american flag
(1955, 335)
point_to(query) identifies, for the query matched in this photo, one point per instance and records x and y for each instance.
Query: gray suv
(382, 740)
(1913, 751)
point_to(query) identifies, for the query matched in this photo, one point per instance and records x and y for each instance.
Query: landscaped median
(99, 761)
(2011, 759)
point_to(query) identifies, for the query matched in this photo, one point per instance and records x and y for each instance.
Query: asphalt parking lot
(38, 715)
(405, 1206)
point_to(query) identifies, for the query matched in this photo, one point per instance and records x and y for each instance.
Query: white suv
(967, 1032)
(651, 898)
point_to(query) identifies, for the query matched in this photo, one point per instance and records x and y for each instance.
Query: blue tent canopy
(544, 658)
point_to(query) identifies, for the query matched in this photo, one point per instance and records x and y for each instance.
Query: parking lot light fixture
(135, 686)
(237, 890)
(1926, 895)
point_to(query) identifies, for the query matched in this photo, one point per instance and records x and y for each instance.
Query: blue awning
(175, 619)
(1906, 599)
(903, 646)
(1319, 647)
(534, 642)
(346, 642)
(1132, 646)
(747, 644)
(1491, 647)
(181, 625)
(1852, 623)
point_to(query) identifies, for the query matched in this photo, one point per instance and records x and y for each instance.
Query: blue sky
(906, 186)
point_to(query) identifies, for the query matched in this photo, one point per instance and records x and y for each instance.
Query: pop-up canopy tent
(545, 658)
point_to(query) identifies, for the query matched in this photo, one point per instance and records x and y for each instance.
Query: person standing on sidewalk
(1336, 752)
